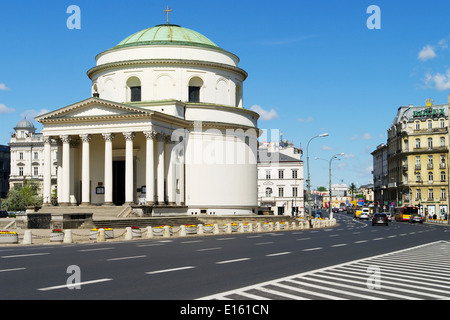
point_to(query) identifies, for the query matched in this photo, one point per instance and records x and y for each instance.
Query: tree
(321, 189)
(19, 198)
(352, 189)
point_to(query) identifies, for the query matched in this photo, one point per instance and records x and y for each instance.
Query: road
(303, 264)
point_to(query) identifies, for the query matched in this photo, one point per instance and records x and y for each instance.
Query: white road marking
(170, 270)
(231, 261)
(26, 255)
(278, 254)
(97, 249)
(126, 258)
(72, 285)
(15, 269)
(313, 249)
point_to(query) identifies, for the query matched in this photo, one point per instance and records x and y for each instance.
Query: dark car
(3, 214)
(380, 218)
(416, 218)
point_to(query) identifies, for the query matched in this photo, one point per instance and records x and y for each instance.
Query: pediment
(92, 108)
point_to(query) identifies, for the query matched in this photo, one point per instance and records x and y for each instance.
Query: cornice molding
(149, 62)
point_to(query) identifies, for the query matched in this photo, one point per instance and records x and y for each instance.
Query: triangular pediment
(92, 108)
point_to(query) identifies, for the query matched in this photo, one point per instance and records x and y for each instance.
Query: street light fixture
(307, 165)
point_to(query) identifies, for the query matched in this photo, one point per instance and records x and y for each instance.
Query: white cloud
(3, 87)
(31, 114)
(440, 81)
(427, 53)
(4, 109)
(348, 156)
(265, 115)
(327, 148)
(367, 136)
(309, 119)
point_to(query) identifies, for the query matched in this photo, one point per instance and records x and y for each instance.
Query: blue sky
(314, 66)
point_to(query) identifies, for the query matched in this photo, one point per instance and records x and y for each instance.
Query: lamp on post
(307, 165)
(330, 212)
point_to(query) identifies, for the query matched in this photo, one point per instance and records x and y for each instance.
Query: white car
(364, 214)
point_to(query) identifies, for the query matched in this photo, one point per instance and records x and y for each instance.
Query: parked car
(380, 218)
(415, 218)
(3, 214)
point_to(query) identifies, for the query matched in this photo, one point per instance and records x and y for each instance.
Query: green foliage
(21, 197)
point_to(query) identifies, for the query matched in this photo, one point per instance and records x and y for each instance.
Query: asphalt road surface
(303, 264)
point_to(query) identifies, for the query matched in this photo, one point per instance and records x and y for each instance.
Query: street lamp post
(307, 165)
(330, 209)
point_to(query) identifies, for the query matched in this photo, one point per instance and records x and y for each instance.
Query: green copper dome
(167, 34)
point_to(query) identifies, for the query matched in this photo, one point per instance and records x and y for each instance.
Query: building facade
(5, 169)
(165, 127)
(380, 177)
(417, 146)
(27, 157)
(280, 179)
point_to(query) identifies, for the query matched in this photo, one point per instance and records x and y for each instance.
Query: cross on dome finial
(168, 10)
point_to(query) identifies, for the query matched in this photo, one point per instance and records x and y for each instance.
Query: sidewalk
(42, 236)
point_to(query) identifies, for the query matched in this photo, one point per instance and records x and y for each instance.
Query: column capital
(47, 139)
(161, 136)
(129, 136)
(85, 137)
(150, 135)
(108, 136)
(65, 139)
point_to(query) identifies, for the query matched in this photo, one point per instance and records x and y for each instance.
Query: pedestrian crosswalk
(419, 273)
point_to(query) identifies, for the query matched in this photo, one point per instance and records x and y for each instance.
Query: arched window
(134, 89)
(195, 85)
(239, 96)
(268, 192)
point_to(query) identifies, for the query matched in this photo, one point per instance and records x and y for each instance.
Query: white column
(66, 170)
(47, 187)
(85, 170)
(129, 176)
(108, 182)
(169, 163)
(150, 167)
(160, 168)
(59, 172)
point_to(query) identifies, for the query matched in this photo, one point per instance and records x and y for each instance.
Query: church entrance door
(119, 183)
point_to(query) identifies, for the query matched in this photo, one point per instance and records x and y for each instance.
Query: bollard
(250, 227)
(166, 232)
(228, 228)
(182, 231)
(68, 236)
(293, 226)
(149, 232)
(258, 227)
(27, 237)
(241, 228)
(128, 236)
(200, 229)
(277, 226)
(216, 229)
(101, 235)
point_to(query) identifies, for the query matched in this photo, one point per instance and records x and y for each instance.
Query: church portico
(89, 165)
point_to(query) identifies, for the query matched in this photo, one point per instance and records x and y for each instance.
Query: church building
(165, 128)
